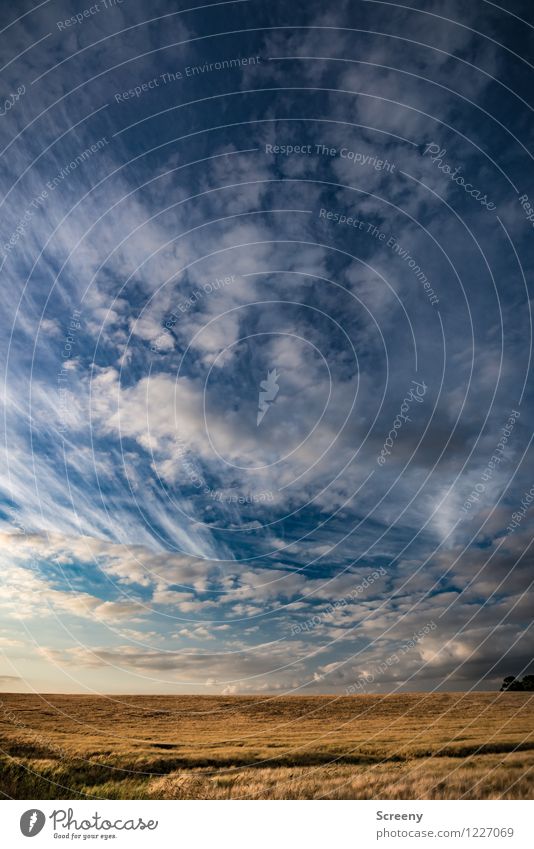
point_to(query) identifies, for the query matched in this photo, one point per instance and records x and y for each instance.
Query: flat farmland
(409, 746)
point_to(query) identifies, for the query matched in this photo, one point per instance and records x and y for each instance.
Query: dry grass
(410, 746)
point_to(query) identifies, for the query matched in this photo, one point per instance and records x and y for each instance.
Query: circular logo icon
(32, 822)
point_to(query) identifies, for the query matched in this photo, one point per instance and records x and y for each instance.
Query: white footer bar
(269, 824)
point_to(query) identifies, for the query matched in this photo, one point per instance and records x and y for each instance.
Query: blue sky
(320, 214)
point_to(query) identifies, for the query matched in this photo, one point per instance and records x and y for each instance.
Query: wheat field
(409, 746)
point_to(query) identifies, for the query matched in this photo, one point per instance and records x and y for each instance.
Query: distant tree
(511, 683)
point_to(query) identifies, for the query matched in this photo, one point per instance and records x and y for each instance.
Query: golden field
(409, 746)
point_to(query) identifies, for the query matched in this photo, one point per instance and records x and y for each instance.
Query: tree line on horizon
(526, 684)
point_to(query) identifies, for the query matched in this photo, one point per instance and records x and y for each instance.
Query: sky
(266, 346)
